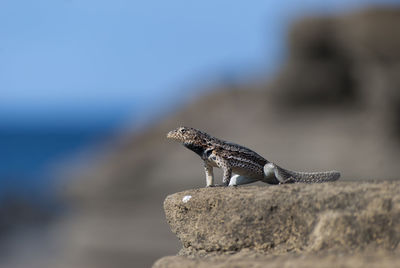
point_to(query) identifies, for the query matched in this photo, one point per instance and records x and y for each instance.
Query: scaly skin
(247, 165)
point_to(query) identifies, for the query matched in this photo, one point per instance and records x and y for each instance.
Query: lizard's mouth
(177, 134)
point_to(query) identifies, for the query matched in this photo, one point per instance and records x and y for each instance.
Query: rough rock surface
(254, 261)
(286, 224)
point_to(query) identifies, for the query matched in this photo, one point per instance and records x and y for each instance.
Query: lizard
(239, 164)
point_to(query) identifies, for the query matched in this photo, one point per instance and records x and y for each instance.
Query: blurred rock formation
(334, 105)
(351, 60)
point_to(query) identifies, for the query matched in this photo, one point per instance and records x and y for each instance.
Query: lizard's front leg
(209, 174)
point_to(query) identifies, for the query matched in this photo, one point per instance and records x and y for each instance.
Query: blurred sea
(29, 155)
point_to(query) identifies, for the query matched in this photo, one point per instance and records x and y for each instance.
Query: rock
(285, 224)
(377, 260)
(343, 60)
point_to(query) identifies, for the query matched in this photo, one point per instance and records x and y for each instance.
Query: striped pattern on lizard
(240, 165)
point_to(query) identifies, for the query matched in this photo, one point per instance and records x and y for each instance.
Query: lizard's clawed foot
(289, 180)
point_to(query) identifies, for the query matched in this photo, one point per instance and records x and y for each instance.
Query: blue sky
(85, 60)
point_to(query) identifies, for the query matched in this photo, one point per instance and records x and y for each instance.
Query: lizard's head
(184, 135)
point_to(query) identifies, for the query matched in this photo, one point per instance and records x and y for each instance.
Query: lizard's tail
(288, 176)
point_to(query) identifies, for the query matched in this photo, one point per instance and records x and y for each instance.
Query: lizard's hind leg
(240, 180)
